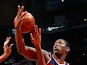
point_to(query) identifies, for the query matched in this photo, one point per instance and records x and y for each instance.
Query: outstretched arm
(7, 50)
(36, 40)
(26, 51)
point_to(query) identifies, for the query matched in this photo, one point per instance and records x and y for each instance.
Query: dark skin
(7, 50)
(28, 52)
(60, 50)
(31, 53)
(36, 40)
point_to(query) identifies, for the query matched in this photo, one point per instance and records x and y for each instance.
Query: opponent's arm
(28, 52)
(7, 50)
(36, 40)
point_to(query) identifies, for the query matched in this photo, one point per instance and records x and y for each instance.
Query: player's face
(59, 47)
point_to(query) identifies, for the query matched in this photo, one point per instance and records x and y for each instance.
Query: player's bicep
(30, 53)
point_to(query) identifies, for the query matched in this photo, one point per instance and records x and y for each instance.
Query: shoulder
(67, 63)
(47, 55)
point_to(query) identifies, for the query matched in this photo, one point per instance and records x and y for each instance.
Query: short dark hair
(66, 42)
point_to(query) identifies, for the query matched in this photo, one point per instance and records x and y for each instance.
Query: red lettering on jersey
(49, 64)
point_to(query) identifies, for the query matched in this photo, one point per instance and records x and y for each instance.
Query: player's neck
(59, 59)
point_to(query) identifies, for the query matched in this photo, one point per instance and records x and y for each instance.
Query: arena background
(67, 19)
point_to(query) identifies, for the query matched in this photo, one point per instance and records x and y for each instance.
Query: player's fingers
(23, 14)
(22, 8)
(31, 36)
(7, 41)
(36, 29)
(19, 11)
(11, 46)
(40, 31)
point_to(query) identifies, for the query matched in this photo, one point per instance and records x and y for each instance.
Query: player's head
(61, 47)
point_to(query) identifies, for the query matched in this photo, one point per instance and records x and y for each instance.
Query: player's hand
(20, 15)
(7, 49)
(36, 36)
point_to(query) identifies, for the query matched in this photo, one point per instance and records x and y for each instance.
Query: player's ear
(67, 49)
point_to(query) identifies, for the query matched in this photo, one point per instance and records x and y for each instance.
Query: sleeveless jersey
(52, 61)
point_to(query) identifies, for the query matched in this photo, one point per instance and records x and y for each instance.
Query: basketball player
(60, 48)
(7, 50)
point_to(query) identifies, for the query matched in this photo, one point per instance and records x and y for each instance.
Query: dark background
(68, 16)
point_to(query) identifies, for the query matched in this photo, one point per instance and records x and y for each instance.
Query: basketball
(27, 23)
